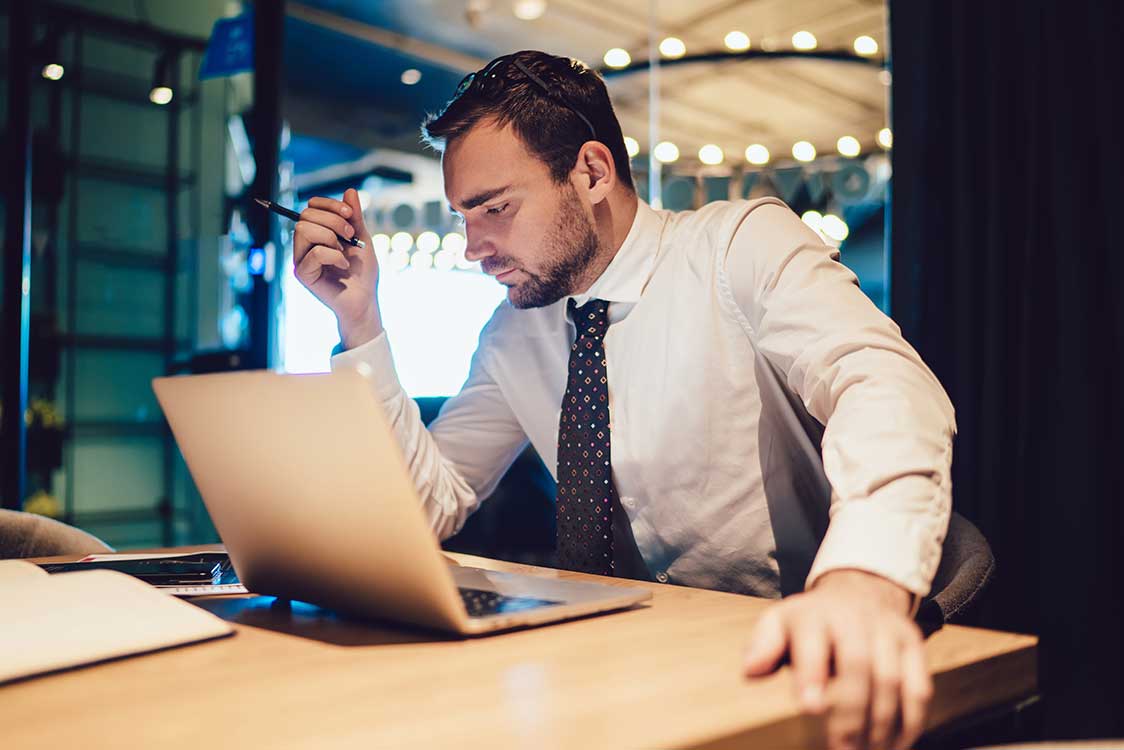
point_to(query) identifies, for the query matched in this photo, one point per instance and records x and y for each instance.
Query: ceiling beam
(432, 53)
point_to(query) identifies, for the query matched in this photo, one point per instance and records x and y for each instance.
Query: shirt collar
(624, 279)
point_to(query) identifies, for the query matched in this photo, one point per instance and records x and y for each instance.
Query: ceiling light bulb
(631, 146)
(398, 260)
(53, 71)
(737, 41)
(803, 151)
(814, 219)
(804, 40)
(453, 242)
(401, 242)
(673, 47)
(528, 10)
(160, 95)
(866, 46)
(711, 154)
(886, 138)
(617, 58)
(428, 242)
(834, 227)
(757, 154)
(410, 76)
(848, 146)
(666, 152)
(444, 261)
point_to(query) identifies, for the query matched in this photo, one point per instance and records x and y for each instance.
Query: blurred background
(137, 133)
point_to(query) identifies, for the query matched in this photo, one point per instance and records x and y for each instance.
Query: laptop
(307, 486)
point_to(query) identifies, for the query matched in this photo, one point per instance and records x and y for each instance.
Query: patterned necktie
(586, 494)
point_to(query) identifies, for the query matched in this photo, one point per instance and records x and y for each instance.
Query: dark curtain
(1007, 267)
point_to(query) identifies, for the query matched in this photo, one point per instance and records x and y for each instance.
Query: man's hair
(545, 122)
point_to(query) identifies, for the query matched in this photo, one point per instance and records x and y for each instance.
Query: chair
(29, 535)
(967, 566)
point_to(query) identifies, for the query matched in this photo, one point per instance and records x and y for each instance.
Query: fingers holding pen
(315, 247)
(329, 219)
(311, 267)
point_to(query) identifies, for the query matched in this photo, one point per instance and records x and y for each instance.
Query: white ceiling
(774, 102)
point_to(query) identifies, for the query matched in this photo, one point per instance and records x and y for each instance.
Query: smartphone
(157, 571)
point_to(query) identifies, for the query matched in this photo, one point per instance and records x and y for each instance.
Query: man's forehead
(484, 158)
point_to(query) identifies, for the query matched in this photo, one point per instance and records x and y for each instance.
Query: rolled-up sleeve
(887, 442)
(463, 455)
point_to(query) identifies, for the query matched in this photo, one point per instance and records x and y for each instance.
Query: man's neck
(612, 219)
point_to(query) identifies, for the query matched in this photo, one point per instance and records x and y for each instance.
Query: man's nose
(477, 247)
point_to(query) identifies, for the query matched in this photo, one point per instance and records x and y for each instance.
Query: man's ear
(595, 173)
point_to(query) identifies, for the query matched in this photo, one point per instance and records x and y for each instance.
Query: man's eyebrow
(482, 197)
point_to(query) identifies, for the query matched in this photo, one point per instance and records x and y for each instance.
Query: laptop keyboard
(481, 603)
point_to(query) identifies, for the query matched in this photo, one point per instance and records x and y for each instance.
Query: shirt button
(661, 576)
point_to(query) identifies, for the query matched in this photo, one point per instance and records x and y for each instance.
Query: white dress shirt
(768, 422)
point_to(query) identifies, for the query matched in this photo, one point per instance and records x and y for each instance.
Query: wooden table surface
(665, 674)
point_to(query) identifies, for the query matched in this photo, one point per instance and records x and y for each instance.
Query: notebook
(55, 622)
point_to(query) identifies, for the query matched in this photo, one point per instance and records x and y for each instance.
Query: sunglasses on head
(487, 80)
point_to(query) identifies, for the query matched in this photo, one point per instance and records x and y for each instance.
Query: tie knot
(591, 319)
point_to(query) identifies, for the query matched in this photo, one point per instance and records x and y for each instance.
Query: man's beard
(573, 246)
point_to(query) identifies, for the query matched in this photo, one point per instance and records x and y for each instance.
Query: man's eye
(496, 210)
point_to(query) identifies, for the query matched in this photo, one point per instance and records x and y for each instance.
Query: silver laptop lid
(307, 486)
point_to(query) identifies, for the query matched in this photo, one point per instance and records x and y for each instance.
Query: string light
(886, 138)
(673, 48)
(803, 151)
(814, 219)
(398, 260)
(804, 41)
(401, 242)
(528, 10)
(444, 261)
(410, 76)
(617, 58)
(737, 41)
(53, 71)
(866, 46)
(428, 242)
(757, 154)
(631, 146)
(666, 152)
(711, 154)
(848, 146)
(834, 227)
(421, 261)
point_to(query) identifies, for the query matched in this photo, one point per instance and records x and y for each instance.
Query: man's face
(532, 234)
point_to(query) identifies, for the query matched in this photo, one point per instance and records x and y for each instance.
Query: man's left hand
(856, 656)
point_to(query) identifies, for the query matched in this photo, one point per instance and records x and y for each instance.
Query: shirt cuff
(375, 361)
(863, 536)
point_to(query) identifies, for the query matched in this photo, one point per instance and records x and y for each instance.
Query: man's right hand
(343, 277)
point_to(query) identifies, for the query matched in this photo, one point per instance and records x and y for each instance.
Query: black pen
(289, 213)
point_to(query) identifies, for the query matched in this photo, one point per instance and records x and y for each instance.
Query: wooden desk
(664, 675)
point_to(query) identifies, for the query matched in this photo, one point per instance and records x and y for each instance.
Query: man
(727, 345)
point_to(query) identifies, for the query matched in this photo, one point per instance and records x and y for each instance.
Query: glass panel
(115, 385)
(119, 301)
(117, 473)
(122, 216)
(140, 140)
